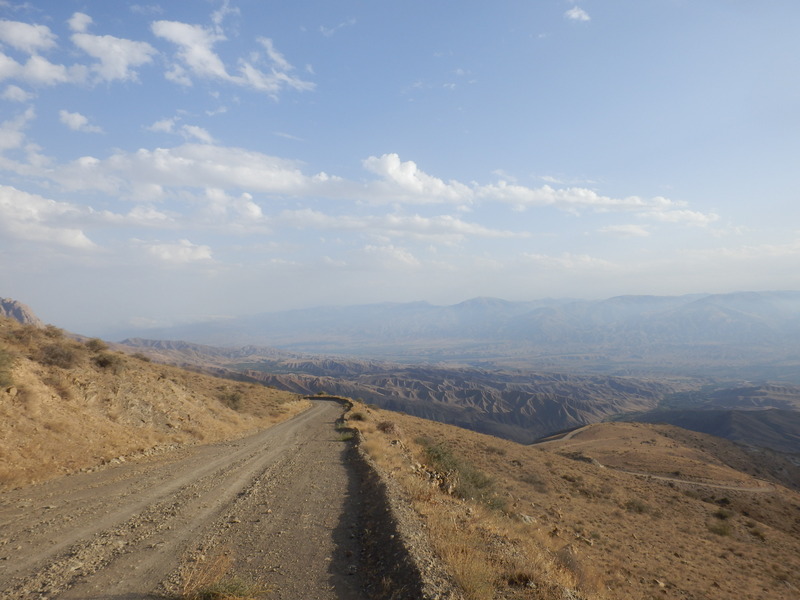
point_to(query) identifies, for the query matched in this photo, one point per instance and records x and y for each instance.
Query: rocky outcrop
(18, 311)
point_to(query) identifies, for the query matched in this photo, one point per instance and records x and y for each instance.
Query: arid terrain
(616, 510)
(127, 478)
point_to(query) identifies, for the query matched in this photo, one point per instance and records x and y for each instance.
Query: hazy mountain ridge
(746, 334)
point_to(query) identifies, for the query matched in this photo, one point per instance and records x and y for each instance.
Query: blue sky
(176, 161)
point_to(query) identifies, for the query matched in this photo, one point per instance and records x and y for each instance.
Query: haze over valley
(386, 301)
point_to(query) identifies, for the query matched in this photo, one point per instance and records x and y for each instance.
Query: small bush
(53, 332)
(637, 506)
(720, 528)
(232, 400)
(142, 357)
(96, 345)
(387, 427)
(108, 361)
(58, 355)
(357, 416)
(470, 482)
(723, 514)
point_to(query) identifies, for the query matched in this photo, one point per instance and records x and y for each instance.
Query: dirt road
(278, 508)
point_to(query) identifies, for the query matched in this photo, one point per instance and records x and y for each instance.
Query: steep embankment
(67, 405)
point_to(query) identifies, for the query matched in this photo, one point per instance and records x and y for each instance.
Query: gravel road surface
(279, 508)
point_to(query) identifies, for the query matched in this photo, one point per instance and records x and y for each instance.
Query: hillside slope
(67, 405)
(616, 511)
(770, 428)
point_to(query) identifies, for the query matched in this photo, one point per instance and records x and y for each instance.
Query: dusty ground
(279, 508)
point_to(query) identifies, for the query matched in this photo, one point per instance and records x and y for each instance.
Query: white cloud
(189, 165)
(193, 132)
(274, 56)
(40, 71)
(14, 93)
(196, 56)
(406, 178)
(688, 217)
(30, 217)
(180, 252)
(26, 37)
(77, 122)
(218, 16)
(577, 14)
(12, 131)
(196, 47)
(220, 204)
(163, 126)
(79, 22)
(118, 57)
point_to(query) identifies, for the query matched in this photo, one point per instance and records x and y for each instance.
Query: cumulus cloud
(30, 217)
(180, 252)
(37, 70)
(408, 179)
(117, 57)
(577, 14)
(77, 122)
(79, 22)
(25, 37)
(220, 204)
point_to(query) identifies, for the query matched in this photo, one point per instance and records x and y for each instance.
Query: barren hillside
(69, 405)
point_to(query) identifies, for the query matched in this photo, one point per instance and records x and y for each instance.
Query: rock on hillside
(18, 311)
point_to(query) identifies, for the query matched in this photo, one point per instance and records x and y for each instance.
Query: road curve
(276, 507)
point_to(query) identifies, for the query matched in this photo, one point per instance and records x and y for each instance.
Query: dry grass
(212, 579)
(572, 527)
(488, 552)
(69, 405)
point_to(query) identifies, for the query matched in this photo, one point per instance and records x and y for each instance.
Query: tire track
(121, 532)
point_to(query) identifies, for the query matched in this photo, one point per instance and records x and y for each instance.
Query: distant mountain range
(748, 335)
